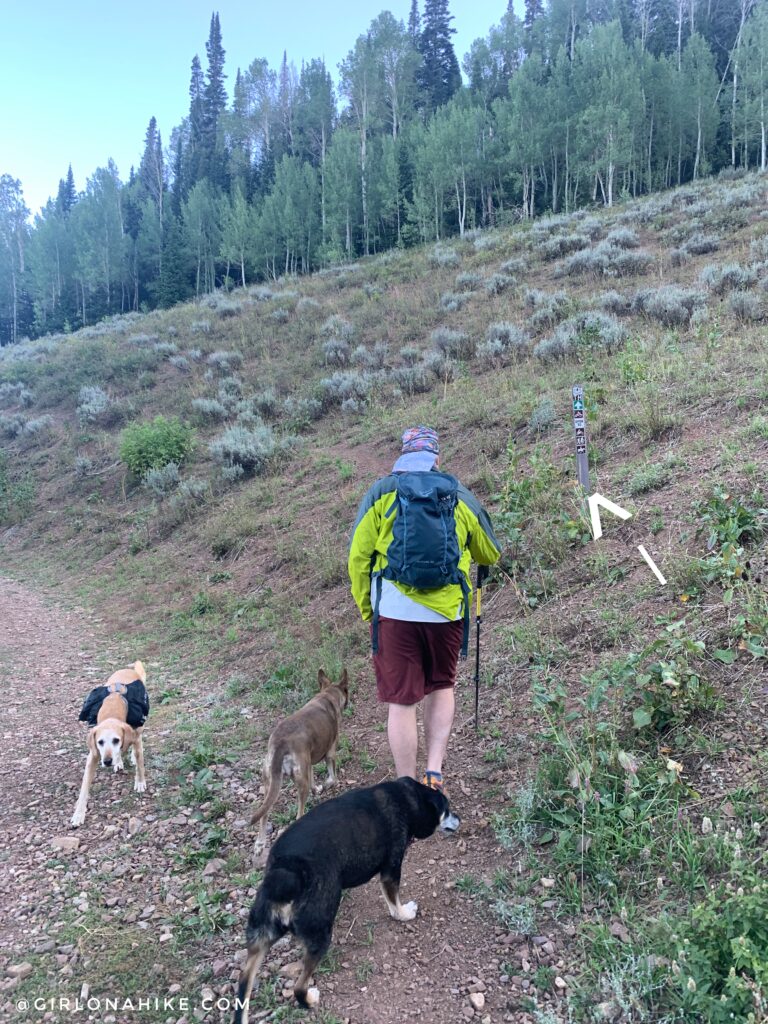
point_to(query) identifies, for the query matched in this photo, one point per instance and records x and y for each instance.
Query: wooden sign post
(580, 430)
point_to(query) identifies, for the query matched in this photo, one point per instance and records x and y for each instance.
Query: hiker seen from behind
(417, 532)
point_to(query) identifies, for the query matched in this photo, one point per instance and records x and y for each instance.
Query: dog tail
(140, 671)
(269, 919)
(281, 886)
(275, 772)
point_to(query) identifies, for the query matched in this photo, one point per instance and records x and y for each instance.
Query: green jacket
(372, 535)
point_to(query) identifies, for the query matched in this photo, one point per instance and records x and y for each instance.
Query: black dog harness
(134, 694)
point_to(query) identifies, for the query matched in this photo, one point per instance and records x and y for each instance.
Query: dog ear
(344, 681)
(128, 737)
(92, 741)
(323, 680)
(432, 804)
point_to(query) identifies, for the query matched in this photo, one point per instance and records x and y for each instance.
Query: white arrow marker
(597, 499)
(651, 563)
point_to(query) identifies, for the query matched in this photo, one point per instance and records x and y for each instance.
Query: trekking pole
(482, 576)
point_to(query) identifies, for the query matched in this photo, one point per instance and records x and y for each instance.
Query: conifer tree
(214, 105)
(151, 188)
(440, 76)
(533, 23)
(193, 157)
(215, 93)
(151, 169)
(286, 97)
(196, 102)
(315, 116)
(67, 195)
(414, 23)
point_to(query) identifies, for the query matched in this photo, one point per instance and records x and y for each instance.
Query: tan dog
(300, 741)
(111, 737)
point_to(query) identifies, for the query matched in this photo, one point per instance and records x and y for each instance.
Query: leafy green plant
(536, 528)
(544, 976)
(750, 626)
(602, 794)
(16, 496)
(145, 446)
(730, 520)
(213, 838)
(671, 689)
(731, 525)
(209, 915)
(720, 972)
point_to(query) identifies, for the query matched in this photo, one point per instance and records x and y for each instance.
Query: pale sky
(79, 82)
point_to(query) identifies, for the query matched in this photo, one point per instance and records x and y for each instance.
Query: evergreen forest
(580, 102)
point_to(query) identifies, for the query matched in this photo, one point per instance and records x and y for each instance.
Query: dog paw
(259, 857)
(313, 996)
(318, 789)
(139, 787)
(117, 767)
(408, 911)
(77, 819)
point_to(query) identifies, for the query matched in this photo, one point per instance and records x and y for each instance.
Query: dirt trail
(47, 654)
(123, 893)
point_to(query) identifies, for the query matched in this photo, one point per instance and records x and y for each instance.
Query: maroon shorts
(415, 658)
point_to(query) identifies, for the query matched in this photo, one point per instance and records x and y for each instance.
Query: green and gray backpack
(424, 552)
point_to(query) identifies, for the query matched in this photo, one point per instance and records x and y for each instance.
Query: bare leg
(403, 736)
(439, 708)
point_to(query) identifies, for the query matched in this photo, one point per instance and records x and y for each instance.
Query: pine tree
(414, 23)
(177, 164)
(192, 166)
(151, 170)
(439, 76)
(175, 273)
(239, 170)
(314, 119)
(215, 93)
(214, 105)
(151, 188)
(286, 98)
(534, 9)
(67, 196)
(196, 102)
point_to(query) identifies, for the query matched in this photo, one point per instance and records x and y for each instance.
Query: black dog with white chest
(338, 845)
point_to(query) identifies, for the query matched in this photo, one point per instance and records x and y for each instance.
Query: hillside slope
(619, 770)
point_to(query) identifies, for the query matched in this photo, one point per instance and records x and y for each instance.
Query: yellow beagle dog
(112, 736)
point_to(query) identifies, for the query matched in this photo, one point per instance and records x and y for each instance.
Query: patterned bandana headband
(420, 439)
